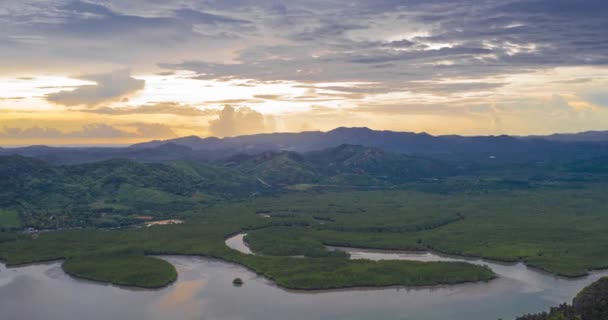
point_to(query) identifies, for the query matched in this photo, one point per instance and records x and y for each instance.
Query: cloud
(234, 101)
(311, 40)
(599, 98)
(207, 18)
(108, 87)
(413, 57)
(167, 107)
(241, 121)
(268, 96)
(66, 34)
(89, 131)
(394, 41)
(153, 130)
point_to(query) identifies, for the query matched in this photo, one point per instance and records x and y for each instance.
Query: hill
(107, 193)
(341, 165)
(487, 150)
(116, 191)
(375, 162)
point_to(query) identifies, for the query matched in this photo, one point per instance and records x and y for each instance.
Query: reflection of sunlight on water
(204, 291)
(182, 300)
(5, 278)
(183, 292)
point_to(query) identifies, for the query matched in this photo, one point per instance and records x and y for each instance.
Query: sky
(119, 72)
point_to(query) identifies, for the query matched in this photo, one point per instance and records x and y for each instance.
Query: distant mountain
(588, 136)
(478, 148)
(490, 150)
(309, 141)
(161, 152)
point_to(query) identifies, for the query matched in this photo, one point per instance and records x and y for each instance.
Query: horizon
(102, 145)
(106, 72)
(302, 160)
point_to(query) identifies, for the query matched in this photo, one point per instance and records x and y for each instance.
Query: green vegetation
(590, 304)
(122, 269)
(105, 194)
(9, 219)
(549, 216)
(330, 273)
(549, 229)
(294, 242)
(113, 193)
(204, 235)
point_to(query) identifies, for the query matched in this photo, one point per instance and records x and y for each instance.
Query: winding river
(204, 290)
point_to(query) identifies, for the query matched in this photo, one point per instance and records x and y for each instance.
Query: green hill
(272, 168)
(352, 160)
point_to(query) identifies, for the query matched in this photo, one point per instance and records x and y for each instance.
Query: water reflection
(237, 242)
(204, 290)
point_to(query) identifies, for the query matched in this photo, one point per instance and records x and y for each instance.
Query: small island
(237, 282)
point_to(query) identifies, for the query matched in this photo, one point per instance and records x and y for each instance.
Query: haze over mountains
(496, 149)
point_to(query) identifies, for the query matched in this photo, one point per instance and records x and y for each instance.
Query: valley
(107, 221)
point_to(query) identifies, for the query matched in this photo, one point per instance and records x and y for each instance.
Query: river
(204, 290)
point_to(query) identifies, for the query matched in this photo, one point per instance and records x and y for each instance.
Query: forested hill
(114, 192)
(483, 149)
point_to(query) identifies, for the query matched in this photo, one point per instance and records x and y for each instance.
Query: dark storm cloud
(81, 33)
(482, 38)
(385, 41)
(80, 18)
(417, 55)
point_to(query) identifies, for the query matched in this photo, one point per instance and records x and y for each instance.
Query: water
(238, 243)
(204, 291)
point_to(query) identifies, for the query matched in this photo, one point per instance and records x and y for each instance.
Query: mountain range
(72, 187)
(484, 149)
